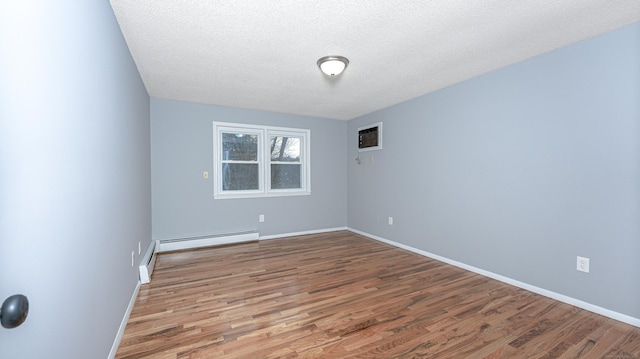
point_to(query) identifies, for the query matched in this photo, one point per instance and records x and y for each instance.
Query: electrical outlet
(261, 218)
(205, 174)
(133, 258)
(582, 264)
(391, 221)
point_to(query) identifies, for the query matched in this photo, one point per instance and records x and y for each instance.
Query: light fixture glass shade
(333, 65)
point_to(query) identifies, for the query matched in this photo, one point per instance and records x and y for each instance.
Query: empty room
(212, 179)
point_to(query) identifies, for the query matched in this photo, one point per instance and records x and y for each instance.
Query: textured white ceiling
(262, 54)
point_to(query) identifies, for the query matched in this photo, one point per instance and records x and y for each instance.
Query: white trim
(547, 293)
(292, 234)
(255, 194)
(123, 323)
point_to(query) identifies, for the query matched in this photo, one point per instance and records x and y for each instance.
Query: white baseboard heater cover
(147, 263)
(176, 244)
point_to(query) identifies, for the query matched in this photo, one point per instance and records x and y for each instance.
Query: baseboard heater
(147, 263)
(176, 244)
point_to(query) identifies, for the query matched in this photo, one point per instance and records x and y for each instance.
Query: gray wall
(74, 176)
(182, 149)
(519, 171)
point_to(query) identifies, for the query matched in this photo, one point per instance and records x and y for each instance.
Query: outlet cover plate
(582, 264)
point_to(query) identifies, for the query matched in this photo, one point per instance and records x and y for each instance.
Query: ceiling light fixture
(333, 65)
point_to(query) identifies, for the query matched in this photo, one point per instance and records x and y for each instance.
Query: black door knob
(14, 311)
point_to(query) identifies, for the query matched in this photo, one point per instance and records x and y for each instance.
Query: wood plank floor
(341, 295)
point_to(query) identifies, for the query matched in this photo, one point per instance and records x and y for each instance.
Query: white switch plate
(391, 221)
(582, 264)
(261, 218)
(205, 174)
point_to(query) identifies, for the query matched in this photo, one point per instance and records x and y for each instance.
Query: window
(258, 161)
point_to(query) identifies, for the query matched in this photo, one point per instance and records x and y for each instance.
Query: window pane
(240, 176)
(285, 176)
(285, 149)
(239, 147)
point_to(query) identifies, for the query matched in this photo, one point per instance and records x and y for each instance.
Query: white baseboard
(547, 293)
(316, 231)
(123, 324)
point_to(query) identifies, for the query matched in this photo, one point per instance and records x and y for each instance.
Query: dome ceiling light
(333, 65)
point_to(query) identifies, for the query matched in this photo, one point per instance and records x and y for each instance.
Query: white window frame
(264, 134)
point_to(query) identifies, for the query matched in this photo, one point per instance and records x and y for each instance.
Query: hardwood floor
(341, 295)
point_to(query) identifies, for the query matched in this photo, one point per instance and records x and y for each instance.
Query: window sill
(261, 195)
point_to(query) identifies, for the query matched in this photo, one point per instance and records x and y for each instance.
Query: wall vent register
(370, 137)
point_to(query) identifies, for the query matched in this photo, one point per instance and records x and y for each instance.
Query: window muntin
(257, 161)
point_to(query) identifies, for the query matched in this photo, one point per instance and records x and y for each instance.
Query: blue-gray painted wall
(519, 171)
(75, 186)
(183, 203)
